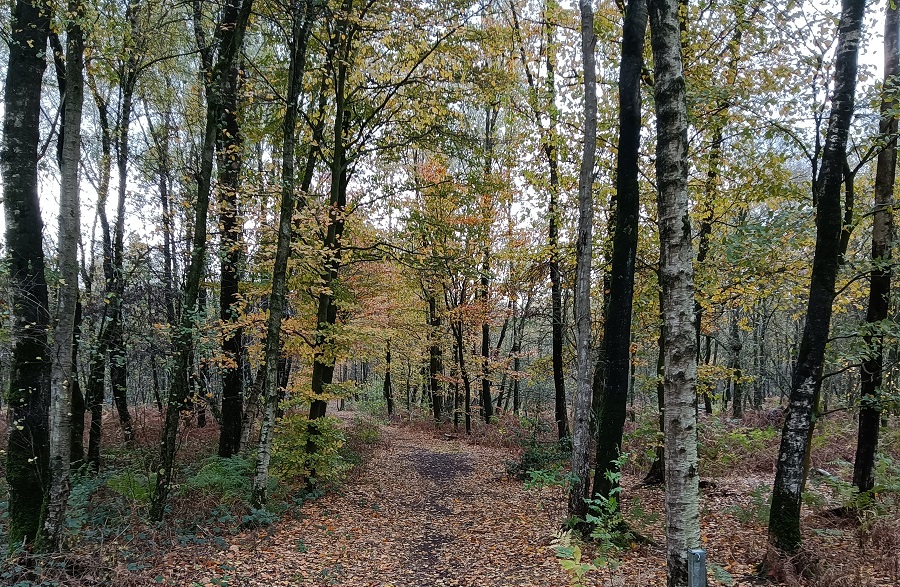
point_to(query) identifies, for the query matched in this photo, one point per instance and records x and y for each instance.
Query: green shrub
(133, 485)
(879, 501)
(722, 449)
(539, 456)
(308, 451)
(229, 479)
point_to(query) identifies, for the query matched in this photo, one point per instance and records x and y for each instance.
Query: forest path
(423, 511)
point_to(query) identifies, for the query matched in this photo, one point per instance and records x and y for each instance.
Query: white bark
(581, 434)
(69, 231)
(676, 276)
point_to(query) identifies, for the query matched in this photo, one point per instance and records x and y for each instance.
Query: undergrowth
(109, 538)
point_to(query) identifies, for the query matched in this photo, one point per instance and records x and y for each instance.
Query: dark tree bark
(796, 437)
(872, 372)
(96, 390)
(326, 316)
(115, 329)
(231, 253)
(435, 361)
(28, 398)
(388, 392)
(617, 326)
(487, 406)
(229, 39)
(76, 453)
(549, 139)
(737, 373)
(657, 473)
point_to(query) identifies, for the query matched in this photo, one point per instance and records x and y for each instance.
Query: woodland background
(293, 207)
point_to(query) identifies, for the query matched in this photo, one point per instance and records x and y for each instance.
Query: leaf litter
(429, 510)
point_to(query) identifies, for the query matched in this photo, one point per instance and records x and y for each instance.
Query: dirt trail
(424, 512)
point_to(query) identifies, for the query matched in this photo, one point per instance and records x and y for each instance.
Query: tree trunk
(326, 316)
(230, 35)
(96, 381)
(676, 278)
(737, 374)
(115, 330)
(27, 453)
(300, 23)
(62, 376)
(581, 428)
(796, 437)
(556, 311)
(76, 454)
(617, 326)
(880, 284)
(230, 302)
(487, 406)
(388, 392)
(435, 363)
(657, 473)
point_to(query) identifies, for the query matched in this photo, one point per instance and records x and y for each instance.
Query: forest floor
(424, 511)
(428, 507)
(431, 509)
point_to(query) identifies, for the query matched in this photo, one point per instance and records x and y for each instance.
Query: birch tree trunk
(300, 21)
(793, 454)
(581, 432)
(882, 238)
(677, 279)
(61, 376)
(28, 399)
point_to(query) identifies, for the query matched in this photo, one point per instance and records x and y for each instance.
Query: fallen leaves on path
(431, 511)
(424, 512)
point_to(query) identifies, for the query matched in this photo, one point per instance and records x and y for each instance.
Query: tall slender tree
(581, 432)
(617, 327)
(227, 43)
(62, 378)
(301, 21)
(872, 371)
(676, 274)
(27, 452)
(231, 251)
(806, 384)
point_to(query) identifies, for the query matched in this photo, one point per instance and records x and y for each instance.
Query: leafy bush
(722, 449)
(540, 456)
(83, 486)
(229, 479)
(880, 500)
(608, 527)
(133, 485)
(308, 451)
